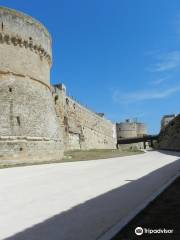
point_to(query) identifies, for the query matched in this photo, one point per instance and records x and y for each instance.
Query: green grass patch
(72, 156)
(93, 154)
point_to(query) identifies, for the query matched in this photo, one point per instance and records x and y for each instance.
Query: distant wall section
(82, 128)
(166, 119)
(169, 137)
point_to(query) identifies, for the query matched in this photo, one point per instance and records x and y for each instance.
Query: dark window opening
(55, 99)
(10, 89)
(21, 149)
(18, 121)
(74, 105)
(67, 101)
(2, 26)
(30, 38)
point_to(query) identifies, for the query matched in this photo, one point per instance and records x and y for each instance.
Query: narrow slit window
(67, 101)
(55, 99)
(18, 120)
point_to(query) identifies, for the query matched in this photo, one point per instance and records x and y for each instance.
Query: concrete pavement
(80, 200)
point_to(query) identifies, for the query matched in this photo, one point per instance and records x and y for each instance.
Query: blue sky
(120, 57)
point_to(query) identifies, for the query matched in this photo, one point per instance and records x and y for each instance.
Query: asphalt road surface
(80, 200)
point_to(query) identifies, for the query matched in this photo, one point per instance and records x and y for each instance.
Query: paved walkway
(81, 200)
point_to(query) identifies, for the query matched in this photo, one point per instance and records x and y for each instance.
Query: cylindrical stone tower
(28, 123)
(141, 129)
(126, 130)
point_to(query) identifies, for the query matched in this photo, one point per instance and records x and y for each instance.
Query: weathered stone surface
(166, 119)
(83, 129)
(37, 120)
(169, 137)
(27, 115)
(130, 129)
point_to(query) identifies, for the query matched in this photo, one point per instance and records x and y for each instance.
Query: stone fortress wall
(36, 119)
(169, 137)
(166, 119)
(82, 128)
(28, 123)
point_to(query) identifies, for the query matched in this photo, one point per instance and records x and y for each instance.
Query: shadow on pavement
(170, 152)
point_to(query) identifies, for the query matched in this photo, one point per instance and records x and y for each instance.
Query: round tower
(141, 129)
(28, 123)
(126, 130)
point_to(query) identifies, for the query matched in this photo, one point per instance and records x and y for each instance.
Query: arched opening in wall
(2, 26)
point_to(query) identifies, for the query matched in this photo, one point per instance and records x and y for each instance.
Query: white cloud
(138, 96)
(159, 80)
(166, 62)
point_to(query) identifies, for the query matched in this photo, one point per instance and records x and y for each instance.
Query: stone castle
(37, 119)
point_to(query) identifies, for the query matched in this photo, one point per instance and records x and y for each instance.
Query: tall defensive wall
(28, 122)
(169, 137)
(82, 128)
